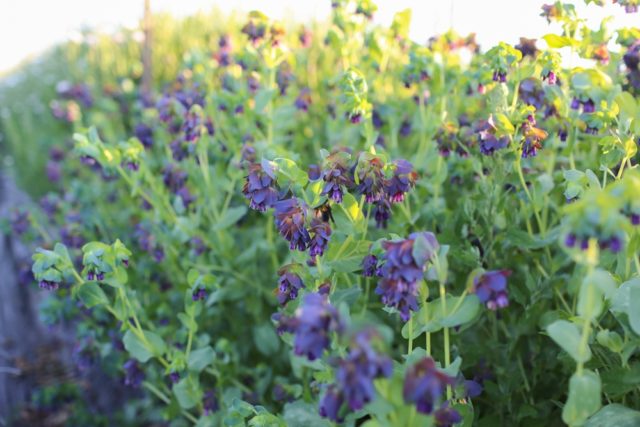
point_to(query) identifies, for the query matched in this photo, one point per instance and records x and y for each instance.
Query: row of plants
(342, 226)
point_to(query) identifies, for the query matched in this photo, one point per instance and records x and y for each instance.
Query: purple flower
(186, 196)
(424, 385)
(48, 285)
(303, 101)
(199, 294)
(382, 213)
(489, 143)
(174, 377)
(402, 269)
(447, 416)
(332, 404)
(550, 77)
(20, 223)
(260, 188)
(173, 177)
(530, 147)
(133, 375)
(531, 93)
(144, 134)
(84, 354)
(336, 176)
(631, 57)
(405, 128)
(370, 266)
(589, 106)
(634, 218)
(500, 76)
(354, 377)
(575, 103)
(403, 179)
(371, 179)
(320, 235)
(491, 288)
(290, 217)
(527, 47)
(570, 240)
(53, 171)
(289, 284)
(210, 403)
(314, 321)
(376, 119)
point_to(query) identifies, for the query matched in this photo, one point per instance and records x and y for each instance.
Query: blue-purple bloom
(403, 179)
(260, 188)
(354, 378)
(312, 324)
(303, 101)
(290, 217)
(320, 235)
(199, 294)
(20, 222)
(210, 403)
(133, 375)
(336, 177)
(371, 179)
(489, 143)
(491, 288)
(446, 416)
(424, 385)
(401, 270)
(382, 213)
(370, 266)
(144, 134)
(289, 284)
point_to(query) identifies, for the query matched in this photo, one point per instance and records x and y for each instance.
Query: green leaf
(634, 309)
(464, 313)
(288, 170)
(567, 336)
(614, 415)
(192, 276)
(188, 393)
(301, 414)
(266, 339)
(348, 216)
(91, 294)
(348, 296)
(584, 398)
(230, 217)
(621, 299)
(144, 350)
(555, 41)
(590, 302)
(263, 97)
(201, 358)
(503, 124)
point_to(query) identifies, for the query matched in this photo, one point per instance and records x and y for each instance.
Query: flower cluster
(312, 324)
(424, 385)
(260, 188)
(491, 288)
(355, 373)
(289, 284)
(402, 267)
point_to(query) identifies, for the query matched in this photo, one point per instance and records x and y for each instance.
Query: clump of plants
(339, 225)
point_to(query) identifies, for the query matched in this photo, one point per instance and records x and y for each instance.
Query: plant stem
(410, 349)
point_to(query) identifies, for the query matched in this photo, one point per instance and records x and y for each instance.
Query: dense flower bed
(341, 225)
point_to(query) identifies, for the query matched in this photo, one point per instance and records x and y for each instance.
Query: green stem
(526, 190)
(410, 349)
(447, 354)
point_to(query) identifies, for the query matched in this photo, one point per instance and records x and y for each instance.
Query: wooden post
(147, 76)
